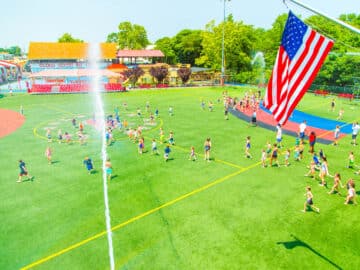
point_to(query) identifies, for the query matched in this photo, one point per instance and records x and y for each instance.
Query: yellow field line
(151, 211)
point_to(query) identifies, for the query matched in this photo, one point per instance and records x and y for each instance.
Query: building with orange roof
(63, 67)
(68, 51)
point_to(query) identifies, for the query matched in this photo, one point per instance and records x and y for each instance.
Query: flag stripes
(291, 78)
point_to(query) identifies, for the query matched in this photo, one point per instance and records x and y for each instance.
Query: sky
(23, 21)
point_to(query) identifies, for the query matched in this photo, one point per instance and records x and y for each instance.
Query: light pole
(222, 80)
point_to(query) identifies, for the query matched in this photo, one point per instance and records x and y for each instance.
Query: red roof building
(139, 56)
(139, 53)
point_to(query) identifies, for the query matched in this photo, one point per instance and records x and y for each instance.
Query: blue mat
(316, 121)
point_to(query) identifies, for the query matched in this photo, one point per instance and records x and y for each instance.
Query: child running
(171, 138)
(162, 135)
(247, 147)
(171, 111)
(67, 138)
(268, 149)
(351, 193)
(274, 155)
(108, 169)
(297, 153)
(337, 182)
(309, 201)
(351, 159)
(154, 150)
(60, 136)
(263, 158)
(207, 147)
(311, 172)
(23, 172)
(286, 157)
(192, 154)
(324, 171)
(279, 135)
(336, 135)
(48, 134)
(48, 153)
(141, 145)
(167, 151)
(88, 164)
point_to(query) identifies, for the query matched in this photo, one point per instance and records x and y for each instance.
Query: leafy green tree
(159, 73)
(165, 45)
(345, 39)
(14, 50)
(113, 38)
(184, 73)
(66, 37)
(339, 70)
(133, 74)
(131, 36)
(187, 45)
(270, 40)
(239, 44)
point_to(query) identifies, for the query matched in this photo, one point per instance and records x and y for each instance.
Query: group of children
(270, 153)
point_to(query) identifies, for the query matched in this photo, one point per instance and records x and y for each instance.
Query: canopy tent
(75, 73)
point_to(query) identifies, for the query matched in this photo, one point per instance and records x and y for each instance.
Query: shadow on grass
(1, 96)
(55, 161)
(298, 243)
(113, 176)
(29, 179)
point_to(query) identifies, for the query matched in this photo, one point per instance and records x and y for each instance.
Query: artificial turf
(229, 213)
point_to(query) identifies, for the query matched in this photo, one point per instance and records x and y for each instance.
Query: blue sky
(23, 21)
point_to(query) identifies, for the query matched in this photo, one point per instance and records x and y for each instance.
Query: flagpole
(350, 27)
(222, 80)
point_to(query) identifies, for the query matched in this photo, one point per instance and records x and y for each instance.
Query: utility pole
(222, 79)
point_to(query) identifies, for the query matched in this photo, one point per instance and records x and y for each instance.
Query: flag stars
(293, 35)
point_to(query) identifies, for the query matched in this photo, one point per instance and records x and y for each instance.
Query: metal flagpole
(222, 80)
(350, 27)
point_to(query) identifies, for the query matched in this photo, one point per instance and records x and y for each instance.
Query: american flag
(300, 56)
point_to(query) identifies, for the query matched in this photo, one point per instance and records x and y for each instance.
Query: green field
(229, 213)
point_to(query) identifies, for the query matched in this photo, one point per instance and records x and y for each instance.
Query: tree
(130, 36)
(14, 50)
(113, 38)
(239, 44)
(345, 39)
(160, 73)
(339, 69)
(269, 41)
(184, 73)
(166, 46)
(66, 37)
(187, 45)
(133, 74)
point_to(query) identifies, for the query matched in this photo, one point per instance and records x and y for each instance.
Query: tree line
(242, 42)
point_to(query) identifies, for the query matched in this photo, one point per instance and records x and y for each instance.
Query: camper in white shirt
(355, 131)
(302, 129)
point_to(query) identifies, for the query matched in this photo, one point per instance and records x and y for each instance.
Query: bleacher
(321, 92)
(74, 88)
(346, 95)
